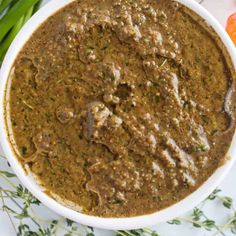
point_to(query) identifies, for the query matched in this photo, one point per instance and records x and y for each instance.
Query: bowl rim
(105, 223)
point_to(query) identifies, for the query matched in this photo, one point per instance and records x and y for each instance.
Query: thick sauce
(122, 107)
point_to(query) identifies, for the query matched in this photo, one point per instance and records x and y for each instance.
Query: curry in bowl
(122, 108)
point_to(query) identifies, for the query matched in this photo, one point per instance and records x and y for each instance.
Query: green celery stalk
(14, 15)
(7, 42)
(37, 6)
(4, 4)
(28, 14)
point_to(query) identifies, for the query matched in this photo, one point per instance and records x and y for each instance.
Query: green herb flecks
(27, 105)
(163, 63)
(201, 148)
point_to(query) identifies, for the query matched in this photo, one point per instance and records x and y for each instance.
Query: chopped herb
(69, 222)
(197, 214)
(157, 98)
(105, 47)
(174, 222)
(186, 104)
(214, 194)
(197, 60)
(201, 148)
(227, 202)
(7, 174)
(205, 119)
(27, 105)
(209, 224)
(24, 150)
(163, 63)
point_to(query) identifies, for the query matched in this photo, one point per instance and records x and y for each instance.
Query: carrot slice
(231, 27)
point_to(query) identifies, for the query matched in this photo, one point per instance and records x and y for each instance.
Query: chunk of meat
(43, 141)
(166, 157)
(27, 70)
(143, 140)
(228, 107)
(102, 126)
(188, 179)
(112, 73)
(129, 32)
(65, 114)
(157, 171)
(96, 116)
(117, 177)
(112, 76)
(185, 160)
(38, 164)
(87, 55)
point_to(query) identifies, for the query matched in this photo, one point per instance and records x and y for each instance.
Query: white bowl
(106, 223)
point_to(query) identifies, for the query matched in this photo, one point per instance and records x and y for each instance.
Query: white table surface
(221, 9)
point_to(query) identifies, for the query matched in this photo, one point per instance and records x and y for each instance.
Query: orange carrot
(231, 27)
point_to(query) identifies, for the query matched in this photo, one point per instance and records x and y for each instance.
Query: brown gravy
(123, 107)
